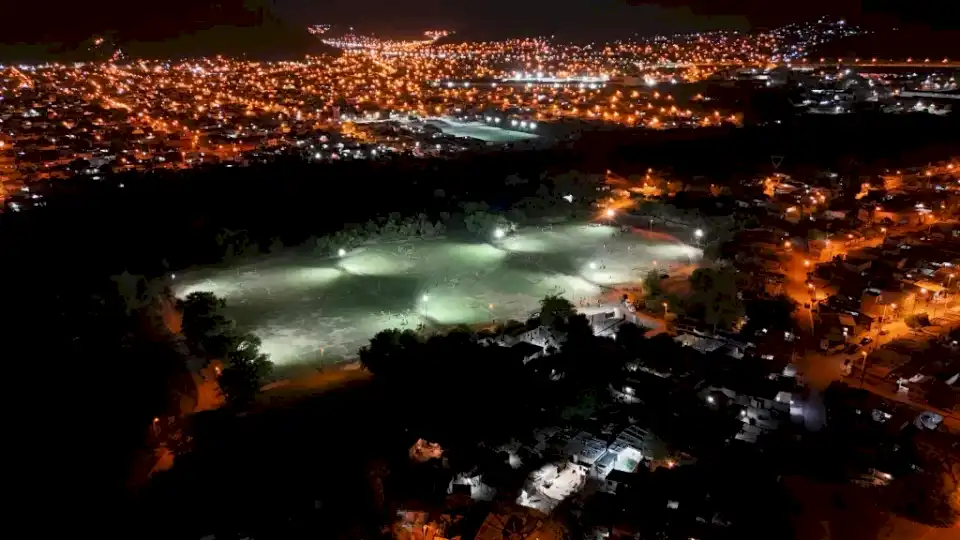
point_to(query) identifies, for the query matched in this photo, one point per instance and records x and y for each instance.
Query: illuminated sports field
(481, 131)
(311, 310)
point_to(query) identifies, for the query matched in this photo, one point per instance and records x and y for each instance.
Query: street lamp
(863, 368)
(611, 212)
(883, 317)
(666, 311)
(698, 233)
(341, 252)
(423, 300)
(499, 233)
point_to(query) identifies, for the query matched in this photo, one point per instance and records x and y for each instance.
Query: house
(632, 446)
(618, 480)
(764, 402)
(857, 265)
(472, 484)
(418, 525)
(585, 449)
(835, 328)
(516, 521)
(542, 336)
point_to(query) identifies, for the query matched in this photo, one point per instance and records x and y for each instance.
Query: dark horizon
(50, 21)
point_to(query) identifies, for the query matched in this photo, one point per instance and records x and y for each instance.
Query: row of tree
(211, 336)
(553, 199)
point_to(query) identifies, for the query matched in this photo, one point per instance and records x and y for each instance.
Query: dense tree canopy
(715, 298)
(555, 310)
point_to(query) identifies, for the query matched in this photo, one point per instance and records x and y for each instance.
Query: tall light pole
(863, 368)
(883, 319)
(923, 292)
(698, 234)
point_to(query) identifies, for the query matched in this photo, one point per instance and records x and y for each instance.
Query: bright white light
(499, 233)
(710, 399)
(593, 265)
(698, 233)
(513, 123)
(533, 125)
(611, 212)
(426, 298)
(568, 198)
(341, 252)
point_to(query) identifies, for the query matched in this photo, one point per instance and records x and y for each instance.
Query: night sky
(475, 19)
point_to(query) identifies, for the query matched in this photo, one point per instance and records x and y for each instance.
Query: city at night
(422, 270)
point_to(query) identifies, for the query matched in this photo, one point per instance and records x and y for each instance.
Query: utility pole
(863, 368)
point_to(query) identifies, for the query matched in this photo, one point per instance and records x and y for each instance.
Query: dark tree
(555, 310)
(245, 371)
(390, 351)
(206, 329)
(774, 314)
(716, 296)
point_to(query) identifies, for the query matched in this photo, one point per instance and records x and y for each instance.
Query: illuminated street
(309, 309)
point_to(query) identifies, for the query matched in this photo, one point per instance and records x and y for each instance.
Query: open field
(313, 310)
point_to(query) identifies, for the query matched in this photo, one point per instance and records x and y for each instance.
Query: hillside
(175, 29)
